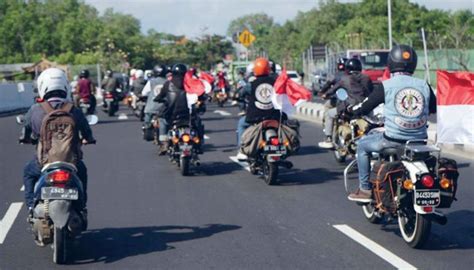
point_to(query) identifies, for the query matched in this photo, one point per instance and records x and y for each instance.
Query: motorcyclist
(110, 84)
(85, 89)
(340, 72)
(260, 106)
(53, 88)
(152, 89)
(173, 89)
(137, 87)
(358, 87)
(407, 103)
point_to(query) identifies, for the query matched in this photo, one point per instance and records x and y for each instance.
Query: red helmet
(261, 67)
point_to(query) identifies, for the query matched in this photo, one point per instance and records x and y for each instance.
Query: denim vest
(406, 107)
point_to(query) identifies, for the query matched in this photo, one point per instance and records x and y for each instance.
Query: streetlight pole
(389, 7)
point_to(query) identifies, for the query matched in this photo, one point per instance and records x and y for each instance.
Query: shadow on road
(112, 244)
(211, 131)
(209, 147)
(458, 233)
(309, 150)
(307, 177)
(217, 168)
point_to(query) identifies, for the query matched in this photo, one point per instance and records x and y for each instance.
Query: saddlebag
(384, 177)
(448, 168)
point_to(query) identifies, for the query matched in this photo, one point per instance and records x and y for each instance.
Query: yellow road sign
(246, 38)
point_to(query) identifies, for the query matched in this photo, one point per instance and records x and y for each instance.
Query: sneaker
(327, 144)
(242, 113)
(361, 195)
(241, 156)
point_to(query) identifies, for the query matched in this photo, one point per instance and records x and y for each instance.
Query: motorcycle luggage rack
(419, 150)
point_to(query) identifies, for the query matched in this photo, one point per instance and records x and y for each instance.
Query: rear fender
(59, 212)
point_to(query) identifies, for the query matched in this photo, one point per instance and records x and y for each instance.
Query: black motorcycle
(184, 147)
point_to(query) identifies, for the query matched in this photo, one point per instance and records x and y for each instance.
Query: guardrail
(16, 96)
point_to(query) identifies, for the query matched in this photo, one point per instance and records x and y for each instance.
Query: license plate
(427, 197)
(275, 149)
(185, 147)
(57, 193)
(85, 105)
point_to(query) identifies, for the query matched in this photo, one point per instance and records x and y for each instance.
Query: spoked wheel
(59, 246)
(184, 165)
(339, 153)
(270, 173)
(415, 228)
(370, 213)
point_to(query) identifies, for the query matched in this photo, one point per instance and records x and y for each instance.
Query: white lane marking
(206, 137)
(223, 113)
(7, 221)
(122, 116)
(374, 247)
(243, 164)
(22, 188)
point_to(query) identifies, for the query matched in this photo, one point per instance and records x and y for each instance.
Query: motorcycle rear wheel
(415, 228)
(60, 245)
(184, 165)
(270, 173)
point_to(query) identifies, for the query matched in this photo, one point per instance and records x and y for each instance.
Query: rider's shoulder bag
(384, 177)
(59, 140)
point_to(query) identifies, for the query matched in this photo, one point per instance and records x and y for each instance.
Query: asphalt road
(144, 215)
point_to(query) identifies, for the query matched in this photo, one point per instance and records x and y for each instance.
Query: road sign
(246, 38)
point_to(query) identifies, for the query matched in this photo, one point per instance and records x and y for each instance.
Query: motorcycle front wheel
(59, 245)
(415, 228)
(270, 173)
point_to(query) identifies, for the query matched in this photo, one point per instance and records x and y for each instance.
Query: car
(294, 76)
(318, 80)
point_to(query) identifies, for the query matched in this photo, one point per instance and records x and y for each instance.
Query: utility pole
(389, 7)
(427, 67)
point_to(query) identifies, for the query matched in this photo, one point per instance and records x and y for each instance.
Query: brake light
(427, 181)
(186, 138)
(60, 176)
(428, 209)
(274, 141)
(108, 95)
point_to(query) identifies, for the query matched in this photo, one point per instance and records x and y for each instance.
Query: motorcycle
(221, 97)
(59, 194)
(151, 130)
(410, 183)
(183, 147)
(271, 154)
(347, 131)
(111, 104)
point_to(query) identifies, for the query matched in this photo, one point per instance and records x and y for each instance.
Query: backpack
(59, 140)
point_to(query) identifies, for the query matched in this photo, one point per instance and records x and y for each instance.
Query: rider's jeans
(148, 118)
(32, 173)
(241, 127)
(329, 121)
(365, 146)
(163, 130)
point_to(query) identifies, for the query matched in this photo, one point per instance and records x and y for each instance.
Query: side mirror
(341, 94)
(20, 119)
(92, 119)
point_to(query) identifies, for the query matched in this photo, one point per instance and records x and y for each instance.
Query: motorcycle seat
(59, 165)
(270, 124)
(390, 151)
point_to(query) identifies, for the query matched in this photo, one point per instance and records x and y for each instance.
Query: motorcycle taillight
(59, 177)
(108, 95)
(274, 141)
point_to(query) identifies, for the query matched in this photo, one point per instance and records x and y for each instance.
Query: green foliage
(72, 32)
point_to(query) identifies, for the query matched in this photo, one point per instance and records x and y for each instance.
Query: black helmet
(159, 71)
(84, 74)
(353, 64)
(341, 63)
(402, 58)
(179, 70)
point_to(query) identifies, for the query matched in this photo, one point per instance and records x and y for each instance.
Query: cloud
(191, 17)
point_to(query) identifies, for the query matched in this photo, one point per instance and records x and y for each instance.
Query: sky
(196, 17)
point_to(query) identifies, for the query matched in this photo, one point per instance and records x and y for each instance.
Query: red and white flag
(288, 94)
(455, 109)
(195, 87)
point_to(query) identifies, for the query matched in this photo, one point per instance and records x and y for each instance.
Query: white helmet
(132, 72)
(249, 68)
(52, 79)
(139, 73)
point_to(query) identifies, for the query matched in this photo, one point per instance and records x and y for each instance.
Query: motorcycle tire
(370, 214)
(270, 173)
(415, 228)
(340, 158)
(59, 245)
(184, 163)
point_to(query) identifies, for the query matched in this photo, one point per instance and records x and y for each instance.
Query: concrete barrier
(314, 112)
(16, 96)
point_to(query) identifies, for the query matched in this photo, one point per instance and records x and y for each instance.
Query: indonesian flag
(455, 109)
(196, 87)
(288, 94)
